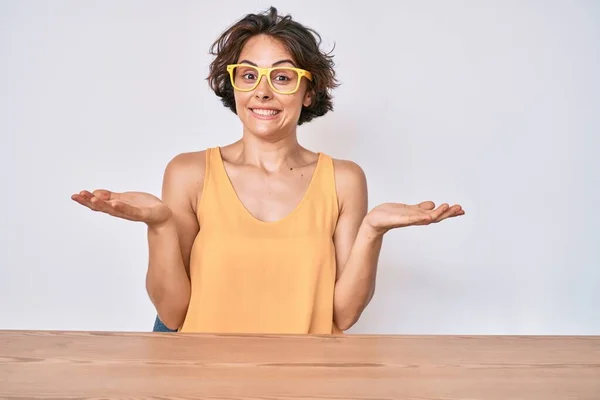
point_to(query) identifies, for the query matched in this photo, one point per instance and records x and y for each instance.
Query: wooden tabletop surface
(84, 365)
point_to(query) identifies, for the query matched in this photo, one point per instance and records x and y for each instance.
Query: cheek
(241, 100)
(293, 104)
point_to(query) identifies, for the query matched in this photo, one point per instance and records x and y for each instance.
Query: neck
(270, 155)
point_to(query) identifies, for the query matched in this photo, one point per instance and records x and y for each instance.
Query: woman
(264, 235)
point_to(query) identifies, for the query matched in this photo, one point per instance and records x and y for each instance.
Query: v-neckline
(247, 212)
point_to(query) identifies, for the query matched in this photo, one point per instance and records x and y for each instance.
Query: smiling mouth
(265, 112)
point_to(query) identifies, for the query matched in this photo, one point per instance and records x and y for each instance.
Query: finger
(115, 208)
(439, 212)
(456, 209)
(83, 198)
(77, 197)
(86, 195)
(457, 214)
(451, 212)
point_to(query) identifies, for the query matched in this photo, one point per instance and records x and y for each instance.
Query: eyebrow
(274, 64)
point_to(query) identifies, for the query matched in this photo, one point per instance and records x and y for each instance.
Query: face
(263, 111)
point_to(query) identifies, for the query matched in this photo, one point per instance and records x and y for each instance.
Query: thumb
(426, 205)
(105, 195)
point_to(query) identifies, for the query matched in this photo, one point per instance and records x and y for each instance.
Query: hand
(133, 206)
(395, 215)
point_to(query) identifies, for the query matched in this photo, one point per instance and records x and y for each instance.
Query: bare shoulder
(184, 176)
(350, 182)
(190, 165)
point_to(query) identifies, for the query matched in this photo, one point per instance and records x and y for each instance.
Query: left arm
(359, 235)
(357, 250)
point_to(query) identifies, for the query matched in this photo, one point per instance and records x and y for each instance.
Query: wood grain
(103, 365)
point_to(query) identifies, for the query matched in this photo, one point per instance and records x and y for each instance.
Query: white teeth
(260, 111)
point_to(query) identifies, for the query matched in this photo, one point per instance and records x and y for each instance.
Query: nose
(263, 90)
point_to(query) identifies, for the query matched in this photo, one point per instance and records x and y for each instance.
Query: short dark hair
(301, 41)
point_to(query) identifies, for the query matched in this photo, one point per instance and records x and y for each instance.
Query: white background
(492, 105)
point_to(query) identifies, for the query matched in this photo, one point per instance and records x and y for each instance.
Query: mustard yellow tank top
(251, 276)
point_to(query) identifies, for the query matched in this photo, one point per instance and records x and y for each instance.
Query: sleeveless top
(251, 276)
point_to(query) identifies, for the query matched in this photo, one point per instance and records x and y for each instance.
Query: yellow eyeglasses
(283, 80)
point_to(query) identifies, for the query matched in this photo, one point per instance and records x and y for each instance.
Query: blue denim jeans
(160, 327)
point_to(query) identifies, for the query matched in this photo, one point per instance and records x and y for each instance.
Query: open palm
(133, 206)
(388, 216)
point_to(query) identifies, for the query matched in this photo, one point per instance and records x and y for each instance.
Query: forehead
(264, 50)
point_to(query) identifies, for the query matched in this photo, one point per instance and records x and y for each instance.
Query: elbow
(345, 317)
(172, 315)
(171, 321)
(170, 307)
(345, 323)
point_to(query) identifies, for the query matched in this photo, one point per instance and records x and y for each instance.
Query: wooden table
(78, 365)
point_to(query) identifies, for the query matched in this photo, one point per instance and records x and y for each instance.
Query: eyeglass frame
(262, 71)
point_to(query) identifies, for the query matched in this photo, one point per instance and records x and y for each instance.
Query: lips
(265, 112)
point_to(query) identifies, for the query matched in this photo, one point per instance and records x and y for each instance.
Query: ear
(308, 97)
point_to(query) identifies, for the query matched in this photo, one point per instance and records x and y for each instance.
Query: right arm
(170, 242)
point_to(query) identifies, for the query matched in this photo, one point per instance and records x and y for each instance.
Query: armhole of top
(336, 200)
(200, 201)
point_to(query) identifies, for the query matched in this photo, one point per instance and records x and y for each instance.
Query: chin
(265, 128)
(265, 131)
